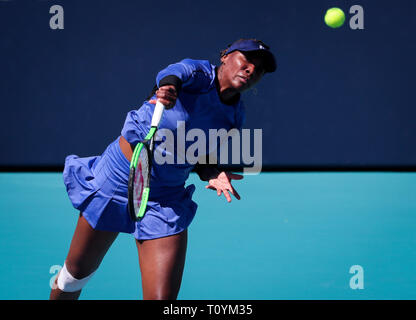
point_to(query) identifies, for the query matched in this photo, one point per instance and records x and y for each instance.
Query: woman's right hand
(166, 95)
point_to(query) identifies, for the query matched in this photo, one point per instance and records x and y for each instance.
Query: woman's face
(241, 70)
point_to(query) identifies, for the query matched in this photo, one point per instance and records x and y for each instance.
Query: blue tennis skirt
(97, 186)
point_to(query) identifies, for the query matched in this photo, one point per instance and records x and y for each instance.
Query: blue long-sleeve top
(197, 106)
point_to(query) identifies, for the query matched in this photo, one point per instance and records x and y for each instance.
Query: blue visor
(247, 45)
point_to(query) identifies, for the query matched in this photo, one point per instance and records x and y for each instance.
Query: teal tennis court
(292, 236)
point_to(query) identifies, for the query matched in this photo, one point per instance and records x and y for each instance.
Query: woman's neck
(227, 95)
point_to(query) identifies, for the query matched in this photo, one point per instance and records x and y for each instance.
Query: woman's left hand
(222, 183)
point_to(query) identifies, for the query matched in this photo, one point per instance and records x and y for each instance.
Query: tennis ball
(334, 17)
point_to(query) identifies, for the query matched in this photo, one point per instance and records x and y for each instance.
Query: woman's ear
(224, 58)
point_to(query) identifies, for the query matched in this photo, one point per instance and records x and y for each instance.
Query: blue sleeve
(193, 75)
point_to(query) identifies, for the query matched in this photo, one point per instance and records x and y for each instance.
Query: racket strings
(141, 178)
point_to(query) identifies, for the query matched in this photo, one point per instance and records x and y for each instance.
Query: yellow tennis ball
(334, 17)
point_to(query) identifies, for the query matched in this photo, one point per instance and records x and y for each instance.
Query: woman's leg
(87, 250)
(161, 263)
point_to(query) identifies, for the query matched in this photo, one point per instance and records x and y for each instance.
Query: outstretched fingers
(226, 191)
(235, 193)
(234, 176)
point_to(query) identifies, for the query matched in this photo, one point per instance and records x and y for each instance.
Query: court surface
(292, 236)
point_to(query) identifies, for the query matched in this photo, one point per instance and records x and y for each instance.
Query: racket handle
(157, 114)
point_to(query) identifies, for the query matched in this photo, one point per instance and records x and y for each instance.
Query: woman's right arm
(196, 75)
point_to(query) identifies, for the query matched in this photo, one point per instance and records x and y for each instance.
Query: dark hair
(152, 93)
(224, 52)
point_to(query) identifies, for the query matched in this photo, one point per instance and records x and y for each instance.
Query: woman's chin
(240, 86)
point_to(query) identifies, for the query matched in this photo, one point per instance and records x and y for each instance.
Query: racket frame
(132, 173)
(147, 143)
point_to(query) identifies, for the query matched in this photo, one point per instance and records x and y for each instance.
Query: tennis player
(200, 95)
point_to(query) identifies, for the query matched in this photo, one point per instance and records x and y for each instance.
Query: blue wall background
(340, 97)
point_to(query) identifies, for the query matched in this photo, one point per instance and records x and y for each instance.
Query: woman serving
(196, 94)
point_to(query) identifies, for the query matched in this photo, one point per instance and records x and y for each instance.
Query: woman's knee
(69, 281)
(79, 268)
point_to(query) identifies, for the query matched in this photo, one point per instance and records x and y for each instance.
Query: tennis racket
(140, 166)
